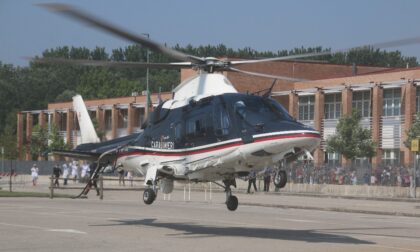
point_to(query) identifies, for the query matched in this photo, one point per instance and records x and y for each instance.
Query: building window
(361, 103)
(392, 102)
(62, 125)
(333, 159)
(391, 157)
(138, 116)
(332, 108)
(306, 107)
(122, 118)
(108, 119)
(417, 99)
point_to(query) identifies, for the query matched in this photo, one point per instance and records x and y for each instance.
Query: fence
(308, 173)
(100, 188)
(24, 167)
(297, 172)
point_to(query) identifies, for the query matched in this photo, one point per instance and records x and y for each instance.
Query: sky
(26, 30)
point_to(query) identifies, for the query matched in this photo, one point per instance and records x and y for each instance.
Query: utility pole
(414, 148)
(2, 159)
(147, 77)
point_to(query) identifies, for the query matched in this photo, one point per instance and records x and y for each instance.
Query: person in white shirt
(85, 172)
(74, 171)
(130, 177)
(66, 173)
(34, 174)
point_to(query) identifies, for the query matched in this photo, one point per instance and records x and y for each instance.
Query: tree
(99, 132)
(56, 142)
(413, 132)
(65, 96)
(351, 140)
(43, 142)
(39, 141)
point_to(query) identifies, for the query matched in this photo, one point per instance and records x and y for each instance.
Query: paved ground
(122, 223)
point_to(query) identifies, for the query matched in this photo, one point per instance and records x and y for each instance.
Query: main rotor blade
(276, 77)
(382, 45)
(99, 23)
(114, 64)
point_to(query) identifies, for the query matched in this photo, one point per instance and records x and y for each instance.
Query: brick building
(388, 99)
(116, 117)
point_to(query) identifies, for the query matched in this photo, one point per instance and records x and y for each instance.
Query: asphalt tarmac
(121, 222)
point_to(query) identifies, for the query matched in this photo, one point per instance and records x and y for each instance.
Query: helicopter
(208, 131)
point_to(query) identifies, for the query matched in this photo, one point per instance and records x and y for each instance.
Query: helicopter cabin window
(196, 126)
(221, 121)
(177, 131)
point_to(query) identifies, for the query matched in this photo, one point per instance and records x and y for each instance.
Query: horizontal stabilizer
(77, 154)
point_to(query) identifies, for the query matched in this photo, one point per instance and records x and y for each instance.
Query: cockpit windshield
(255, 109)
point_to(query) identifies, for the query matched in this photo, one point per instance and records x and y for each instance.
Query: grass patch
(32, 194)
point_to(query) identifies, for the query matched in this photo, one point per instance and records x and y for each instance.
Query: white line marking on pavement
(43, 228)
(66, 231)
(398, 248)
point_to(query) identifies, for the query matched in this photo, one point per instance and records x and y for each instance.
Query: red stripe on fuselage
(215, 148)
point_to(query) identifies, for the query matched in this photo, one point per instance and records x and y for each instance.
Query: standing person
(252, 179)
(34, 174)
(57, 172)
(121, 172)
(66, 173)
(85, 172)
(130, 177)
(92, 181)
(267, 178)
(74, 171)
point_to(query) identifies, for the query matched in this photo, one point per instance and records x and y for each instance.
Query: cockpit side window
(221, 121)
(177, 131)
(196, 126)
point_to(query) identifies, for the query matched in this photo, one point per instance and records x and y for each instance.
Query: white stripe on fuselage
(278, 133)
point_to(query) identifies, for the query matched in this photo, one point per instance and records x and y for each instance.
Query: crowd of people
(384, 176)
(78, 172)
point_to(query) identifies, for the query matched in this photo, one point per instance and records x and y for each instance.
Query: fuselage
(217, 137)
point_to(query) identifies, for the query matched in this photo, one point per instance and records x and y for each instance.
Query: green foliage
(65, 96)
(43, 142)
(8, 142)
(351, 140)
(39, 141)
(55, 141)
(413, 132)
(99, 132)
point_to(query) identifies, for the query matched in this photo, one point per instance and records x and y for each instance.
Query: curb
(333, 209)
(409, 200)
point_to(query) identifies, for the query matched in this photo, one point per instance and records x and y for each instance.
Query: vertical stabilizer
(87, 131)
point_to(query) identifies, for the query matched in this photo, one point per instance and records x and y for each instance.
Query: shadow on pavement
(264, 233)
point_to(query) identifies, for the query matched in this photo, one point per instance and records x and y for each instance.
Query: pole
(147, 76)
(2, 159)
(10, 178)
(210, 192)
(414, 175)
(415, 149)
(189, 192)
(51, 187)
(101, 187)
